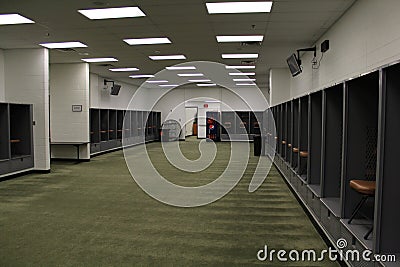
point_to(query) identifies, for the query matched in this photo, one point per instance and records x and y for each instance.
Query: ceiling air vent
(251, 43)
(105, 65)
(248, 62)
(65, 50)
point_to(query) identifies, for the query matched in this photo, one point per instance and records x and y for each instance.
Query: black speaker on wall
(115, 89)
(325, 46)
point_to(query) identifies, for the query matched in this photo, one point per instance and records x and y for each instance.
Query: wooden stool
(366, 189)
(295, 150)
(289, 145)
(283, 142)
(304, 154)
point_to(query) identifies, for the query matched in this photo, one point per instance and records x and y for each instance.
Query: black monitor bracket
(108, 81)
(310, 49)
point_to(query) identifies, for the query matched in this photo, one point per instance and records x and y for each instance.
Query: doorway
(191, 121)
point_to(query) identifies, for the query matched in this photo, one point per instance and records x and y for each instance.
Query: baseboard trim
(69, 159)
(13, 175)
(120, 148)
(42, 171)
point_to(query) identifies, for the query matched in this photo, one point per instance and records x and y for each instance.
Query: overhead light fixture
(63, 45)
(239, 7)
(228, 56)
(245, 84)
(243, 67)
(242, 73)
(239, 38)
(167, 57)
(200, 81)
(100, 59)
(157, 81)
(169, 85)
(147, 41)
(140, 76)
(212, 101)
(123, 69)
(181, 68)
(190, 74)
(206, 84)
(10, 19)
(244, 80)
(112, 13)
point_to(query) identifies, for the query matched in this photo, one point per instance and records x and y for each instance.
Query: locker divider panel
(4, 132)
(387, 217)
(303, 138)
(289, 133)
(295, 141)
(315, 141)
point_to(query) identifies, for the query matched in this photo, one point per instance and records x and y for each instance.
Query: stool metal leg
(358, 207)
(368, 233)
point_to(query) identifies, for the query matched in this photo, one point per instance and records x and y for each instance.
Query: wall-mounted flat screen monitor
(294, 65)
(115, 89)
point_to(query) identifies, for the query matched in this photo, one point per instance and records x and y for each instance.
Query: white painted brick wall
(69, 85)
(26, 79)
(366, 37)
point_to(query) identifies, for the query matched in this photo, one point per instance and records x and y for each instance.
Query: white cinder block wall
(2, 82)
(26, 80)
(101, 98)
(366, 36)
(280, 82)
(69, 85)
(173, 102)
(172, 105)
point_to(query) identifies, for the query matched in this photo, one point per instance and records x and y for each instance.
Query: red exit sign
(205, 105)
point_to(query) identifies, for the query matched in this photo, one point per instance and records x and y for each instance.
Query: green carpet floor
(94, 214)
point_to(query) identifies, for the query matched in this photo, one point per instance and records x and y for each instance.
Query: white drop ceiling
(292, 24)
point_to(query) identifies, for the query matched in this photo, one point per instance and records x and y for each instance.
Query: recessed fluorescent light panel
(239, 38)
(242, 73)
(9, 19)
(63, 45)
(239, 7)
(157, 81)
(206, 84)
(100, 59)
(228, 56)
(245, 84)
(181, 68)
(244, 80)
(140, 76)
(147, 41)
(243, 67)
(112, 13)
(123, 69)
(169, 57)
(190, 74)
(200, 81)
